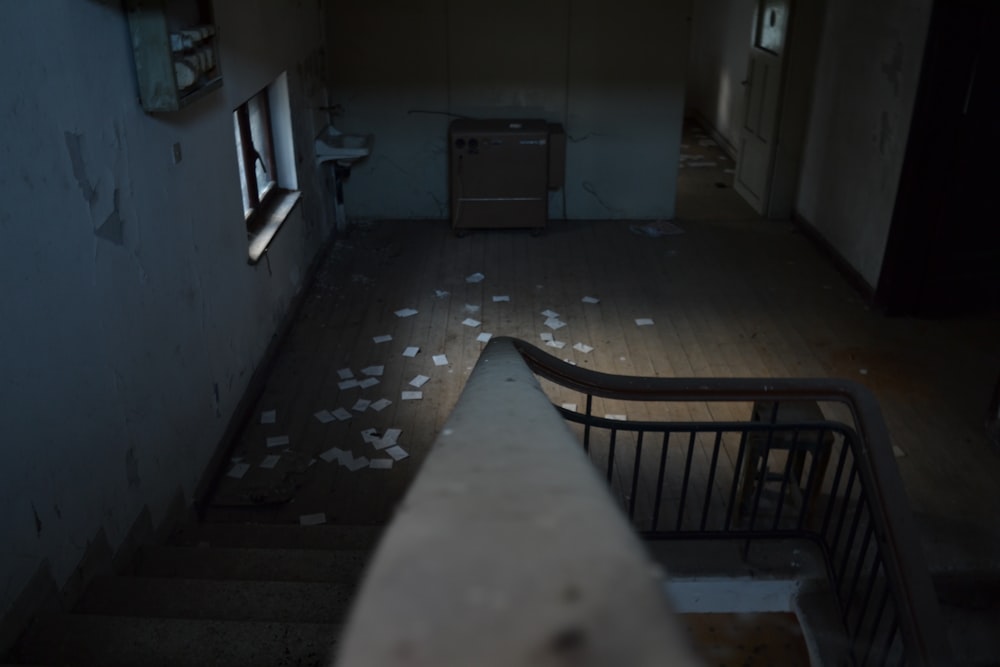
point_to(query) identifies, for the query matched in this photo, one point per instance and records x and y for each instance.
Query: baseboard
(43, 595)
(210, 477)
(853, 277)
(728, 148)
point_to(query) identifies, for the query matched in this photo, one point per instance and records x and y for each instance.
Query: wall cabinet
(176, 49)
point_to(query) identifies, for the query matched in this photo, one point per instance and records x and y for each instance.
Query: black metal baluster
(711, 478)
(635, 475)
(659, 479)
(687, 477)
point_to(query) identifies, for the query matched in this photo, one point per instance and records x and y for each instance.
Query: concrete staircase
(216, 594)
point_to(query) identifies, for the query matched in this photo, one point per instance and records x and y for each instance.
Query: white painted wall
(866, 81)
(721, 32)
(131, 320)
(612, 73)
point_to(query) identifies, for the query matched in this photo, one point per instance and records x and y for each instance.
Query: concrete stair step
(86, 640)
(306, 602)
(277, 535)
(252, 564)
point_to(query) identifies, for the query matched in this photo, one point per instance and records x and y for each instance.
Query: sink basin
(345, 149)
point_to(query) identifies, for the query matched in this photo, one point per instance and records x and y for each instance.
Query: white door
(761, 104)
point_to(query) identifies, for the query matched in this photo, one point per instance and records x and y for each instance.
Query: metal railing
(757, 459)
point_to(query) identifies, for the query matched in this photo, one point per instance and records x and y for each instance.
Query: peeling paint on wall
(74, 145)
(111, 228)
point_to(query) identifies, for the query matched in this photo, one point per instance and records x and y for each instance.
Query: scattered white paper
(335, 454)
(619, 418)
(406, 312)
(385, 338)
(440, 293)
(345, 373)
(499, 298)
(368, 382)
(361, 405)
(569, 406)
(546, 336)
(380, 464)
(469, 322)
(412, 395)
(388, 439)
(897, 452)
(357, 464)
(419, 381)
(373, 370)
(411, 351)
(475, 278)
(863, 371)
(590, 299)
(558, 344)
(582, 347)
(238, 470)
(342, 414)
(370, 436)
(550, 313)
(348, 384)
(471, 308)
(312, 519)
(324, 416)
(277, 440)
(440, 360)
(554, 323)
(268, 416)
(644, 322)
(397, 453)
(381, 404)
(270, 461)
(484, 337)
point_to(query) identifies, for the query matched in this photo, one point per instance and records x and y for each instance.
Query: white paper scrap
(385, 338)
(334, 454)
(897, 452)
(388, 439)
(238, 470)
(484, 337)
(411, 351)
(312, 519)
(554, 323)
(469, 322)
(373, 370)
(361, 405)
(558, 344)
(357, 464)
(440, 293)
(590, 299)
(619, 418)
(412, 395)
(324, 416)
(644, 321)
(342, 414)
(380, 464)
(370, 436)
(348, 384)
(277, 440)
(440, 360)
(270, 461)
(471, 308)
(406, 312)
(546, 336)
(569, 406)
(397, 453)
(419, 381)
(582, 347)
(475, 278)
(500, 298)
(345, 373)
(368, 382)
(381, 404)
(268, 416)
(550, 313)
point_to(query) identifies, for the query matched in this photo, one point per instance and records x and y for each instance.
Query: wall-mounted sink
(345, 149)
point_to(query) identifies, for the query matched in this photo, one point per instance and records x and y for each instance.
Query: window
(264, 154)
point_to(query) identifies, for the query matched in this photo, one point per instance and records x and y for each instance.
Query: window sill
(269, 220)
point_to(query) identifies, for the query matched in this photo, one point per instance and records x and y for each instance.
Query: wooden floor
(731, 296)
